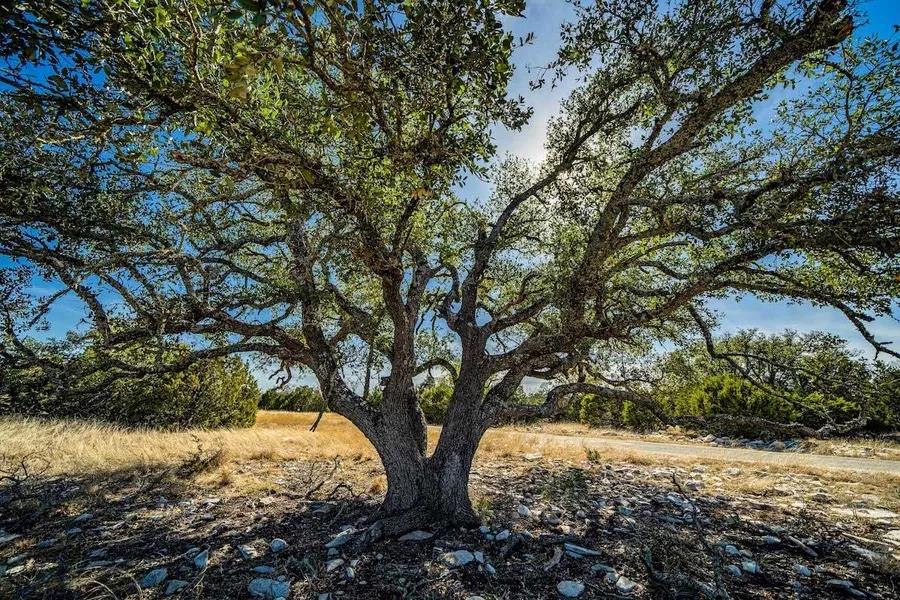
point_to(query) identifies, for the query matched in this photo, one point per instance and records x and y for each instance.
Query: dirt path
(867, 465)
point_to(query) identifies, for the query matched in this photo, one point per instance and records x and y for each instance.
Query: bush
(299, 399)
(209, 394)
(598, 411)
(730, 395)
(883, 404)
(213, 393)
(815, 380)
(635, 417)
(435, 400)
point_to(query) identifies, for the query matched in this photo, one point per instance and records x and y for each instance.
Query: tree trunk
(425, 491)
(425, 494)
(439, 489)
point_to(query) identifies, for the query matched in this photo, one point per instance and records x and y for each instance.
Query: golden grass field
(92, 449)
(87, 447)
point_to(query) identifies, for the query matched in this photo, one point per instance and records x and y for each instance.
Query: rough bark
(427, 490)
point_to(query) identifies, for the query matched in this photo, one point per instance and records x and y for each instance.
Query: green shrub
(299, 399)
(731, 395)
(213, 393)
(882, 405)
(813, 408)
(435, 400)
(209, 394)
(635, 417)
(814, 378)
(598, 411)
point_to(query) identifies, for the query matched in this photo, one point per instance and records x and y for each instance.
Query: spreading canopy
(282, 178)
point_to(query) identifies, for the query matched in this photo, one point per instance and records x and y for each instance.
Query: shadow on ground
(612, 530)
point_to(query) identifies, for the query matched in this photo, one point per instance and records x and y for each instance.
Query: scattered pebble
(202, 560)
(625, 585)
(416, 536)
(341, 538)
(154, 578)
(334, 564)
(458, 558)
(867, 554)
(579, 551)
(174, 586)
(569, 588)
(750, 567)
(270, 589)
(802, 571)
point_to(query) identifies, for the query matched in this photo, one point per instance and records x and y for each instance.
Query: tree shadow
(631, 519)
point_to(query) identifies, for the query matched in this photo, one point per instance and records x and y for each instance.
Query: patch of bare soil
(603, 530)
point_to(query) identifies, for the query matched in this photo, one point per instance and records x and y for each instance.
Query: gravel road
(736, 455)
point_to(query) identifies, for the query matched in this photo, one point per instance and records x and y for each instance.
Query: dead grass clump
(203, 460)
(268, 454)
(510, 444)
(226, 477)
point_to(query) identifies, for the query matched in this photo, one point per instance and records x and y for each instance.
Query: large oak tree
(281, 177)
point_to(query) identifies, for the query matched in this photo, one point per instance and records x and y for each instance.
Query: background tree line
(213, 393)
(810, 379)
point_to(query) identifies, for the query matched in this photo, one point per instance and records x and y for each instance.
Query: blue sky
(543, 18)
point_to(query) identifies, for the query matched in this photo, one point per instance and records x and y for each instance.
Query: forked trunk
(424, 491)
(434, 493)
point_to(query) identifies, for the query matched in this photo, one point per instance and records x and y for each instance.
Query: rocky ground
(551, 529)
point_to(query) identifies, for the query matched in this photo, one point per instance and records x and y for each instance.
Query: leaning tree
(282, 178)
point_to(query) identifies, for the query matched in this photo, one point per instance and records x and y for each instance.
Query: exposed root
(396, 525)
(384, 525)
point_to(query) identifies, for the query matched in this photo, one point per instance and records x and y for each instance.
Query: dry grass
(86, 447)
(82, 448)
(881, 449)
(582, 430)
